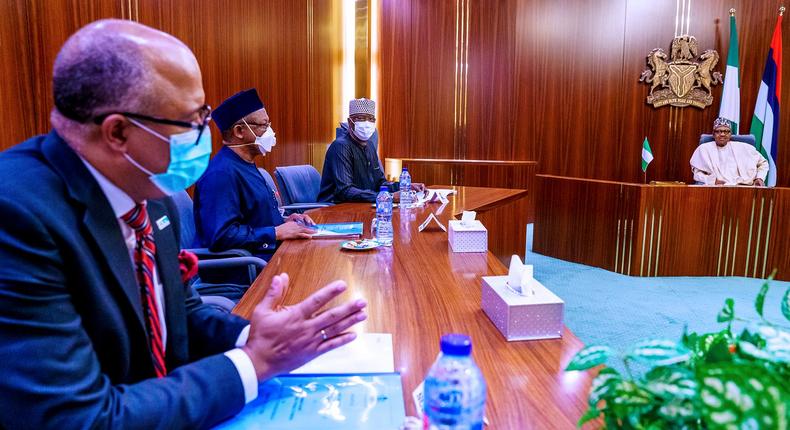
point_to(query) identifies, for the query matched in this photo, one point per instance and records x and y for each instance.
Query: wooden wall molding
(643, 230)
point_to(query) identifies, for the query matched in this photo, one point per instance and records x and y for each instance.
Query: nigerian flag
(765, 123)
(647, 155)
(731, 96)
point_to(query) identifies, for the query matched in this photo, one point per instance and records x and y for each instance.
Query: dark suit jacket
(235, 208)
(73, 346)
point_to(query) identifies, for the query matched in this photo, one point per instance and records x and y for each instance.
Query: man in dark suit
(97, 328)
(234, 206)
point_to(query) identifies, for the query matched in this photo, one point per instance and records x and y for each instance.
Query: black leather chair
(299, 187)
(227, 273)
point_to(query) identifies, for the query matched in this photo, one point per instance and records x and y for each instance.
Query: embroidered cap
(362, 106)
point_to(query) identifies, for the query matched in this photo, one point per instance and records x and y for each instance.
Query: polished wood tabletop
(418, 290)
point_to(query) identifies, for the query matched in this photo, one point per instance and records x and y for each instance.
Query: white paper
(368, 353)
(433, 196)
(520, 277)
(419, 399)
(468, 216)
(427, 221)
(514, 272)
(441, 208)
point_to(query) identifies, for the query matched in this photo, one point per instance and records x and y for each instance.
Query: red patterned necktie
(144, 254)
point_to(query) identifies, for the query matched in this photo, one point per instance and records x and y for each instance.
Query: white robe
(736, 163)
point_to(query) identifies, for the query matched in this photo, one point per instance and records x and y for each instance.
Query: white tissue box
(518, 317)
(469, 237)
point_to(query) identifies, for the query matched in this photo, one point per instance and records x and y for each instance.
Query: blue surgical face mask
(363, 129)
(188, 160)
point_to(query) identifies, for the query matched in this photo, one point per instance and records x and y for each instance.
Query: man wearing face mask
(98, 327)
(352, 170)
(234, 205)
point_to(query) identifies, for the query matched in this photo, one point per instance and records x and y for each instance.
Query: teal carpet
(603, 307)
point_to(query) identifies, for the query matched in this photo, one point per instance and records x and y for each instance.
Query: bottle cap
(456, 344)
(383, 188)
(405, 169)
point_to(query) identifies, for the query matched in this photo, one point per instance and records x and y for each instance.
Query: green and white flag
(647, 155)
(731, 96)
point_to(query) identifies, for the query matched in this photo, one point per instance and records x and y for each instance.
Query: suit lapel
(172, 287)
(99, 219)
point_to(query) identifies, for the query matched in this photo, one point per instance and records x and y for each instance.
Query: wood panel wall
(554, 82)
(643, 230)
(290, 51)
(557, 82)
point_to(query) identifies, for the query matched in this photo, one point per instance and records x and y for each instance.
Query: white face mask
(265, 142)
(363, 129)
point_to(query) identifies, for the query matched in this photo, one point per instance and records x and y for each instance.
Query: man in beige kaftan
(726, 162)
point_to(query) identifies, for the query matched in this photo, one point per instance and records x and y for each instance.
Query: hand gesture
(285, 338)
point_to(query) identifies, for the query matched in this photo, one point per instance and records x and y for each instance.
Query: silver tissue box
(518, 317)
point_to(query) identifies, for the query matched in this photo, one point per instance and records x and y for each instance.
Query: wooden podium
(649, 230)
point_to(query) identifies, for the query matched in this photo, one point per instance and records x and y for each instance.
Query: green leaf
(589, 357)
(719, 350)
(631, 395)
(590, 415)
(727, 313)
(678, 410)
(786, 304)
(603, 385)
(671, 382)
(742, 395)
(760, 300)
(747, 336)
(689, 339)
(777, 344)
(659, 352)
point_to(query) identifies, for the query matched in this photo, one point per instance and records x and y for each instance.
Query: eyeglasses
(722, 131)
(364, 117)
(204, 115)
(265, 125)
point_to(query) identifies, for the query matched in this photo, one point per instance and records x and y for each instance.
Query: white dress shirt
(121, 203)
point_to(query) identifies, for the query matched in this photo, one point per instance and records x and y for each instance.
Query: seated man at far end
(352, 170)
(727, 162)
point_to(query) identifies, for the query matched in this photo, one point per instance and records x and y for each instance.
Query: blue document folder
(372, 401)
(338, 230)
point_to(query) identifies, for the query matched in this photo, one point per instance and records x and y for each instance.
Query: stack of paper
(353, 387)
(368, 353)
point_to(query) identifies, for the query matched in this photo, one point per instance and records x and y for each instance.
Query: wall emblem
(686, 79)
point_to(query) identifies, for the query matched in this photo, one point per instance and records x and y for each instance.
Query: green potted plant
(721, 380)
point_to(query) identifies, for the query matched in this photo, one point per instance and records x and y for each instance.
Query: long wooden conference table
(418, 290)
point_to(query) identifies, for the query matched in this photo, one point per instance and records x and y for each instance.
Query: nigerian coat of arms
(686, 79)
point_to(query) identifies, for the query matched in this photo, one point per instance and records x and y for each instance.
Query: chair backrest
(298, 184)
(269, 181)
(745, 138)
(184, 204)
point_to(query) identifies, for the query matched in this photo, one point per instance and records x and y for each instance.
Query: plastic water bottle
(455, 391)
(384, 217)
(405, 187)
